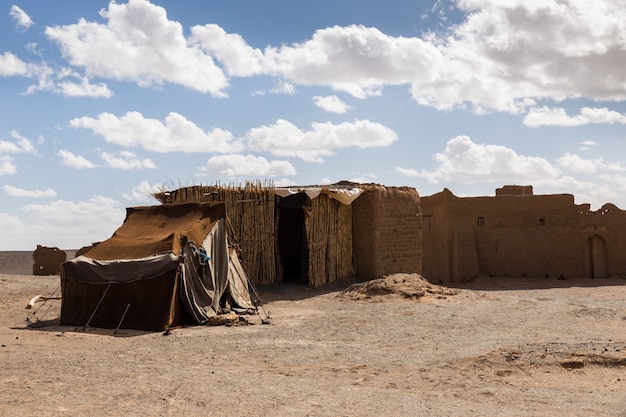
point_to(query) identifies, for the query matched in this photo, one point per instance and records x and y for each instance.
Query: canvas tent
(165, 266)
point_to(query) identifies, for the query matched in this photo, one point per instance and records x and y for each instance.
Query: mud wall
(47, 260)
(387, 232)
(520, 234)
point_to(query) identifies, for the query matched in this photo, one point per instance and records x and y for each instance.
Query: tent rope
(99, 302)
(51, 298)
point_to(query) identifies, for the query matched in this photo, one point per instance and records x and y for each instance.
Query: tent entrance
(293, 250)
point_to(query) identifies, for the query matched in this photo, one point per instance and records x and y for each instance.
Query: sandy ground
(399, 347)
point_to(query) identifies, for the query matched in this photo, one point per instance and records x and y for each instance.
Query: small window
(542, 221)
(480, 221)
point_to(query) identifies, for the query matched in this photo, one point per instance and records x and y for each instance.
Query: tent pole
(99, 302)
(122, 319)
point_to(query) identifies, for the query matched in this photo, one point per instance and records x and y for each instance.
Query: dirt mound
(396, 286)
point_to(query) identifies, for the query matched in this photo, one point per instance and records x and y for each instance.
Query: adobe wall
(47, 260)
(519, 234)
(387, 232)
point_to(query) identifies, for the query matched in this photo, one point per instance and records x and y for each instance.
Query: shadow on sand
(536, 283)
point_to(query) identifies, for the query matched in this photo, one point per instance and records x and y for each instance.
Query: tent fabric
(93, 271)
(205, 276)
(238, 282)
(343, 195)
(166, 265)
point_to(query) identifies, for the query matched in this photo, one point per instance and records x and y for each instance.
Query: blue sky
(104, 103)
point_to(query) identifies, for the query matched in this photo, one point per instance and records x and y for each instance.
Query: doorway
(595, 257)
(292, 243)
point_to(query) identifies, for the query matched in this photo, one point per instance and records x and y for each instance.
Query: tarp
(165, 266)
(343, 195)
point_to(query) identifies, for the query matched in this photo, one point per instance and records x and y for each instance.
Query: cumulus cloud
(140, 44)
(72, 160)
(20, 17)
(408, 172)
(466, 162)
(507, 51)
(84, 88)
(355, 59)
(174, 134)
(250, 166)
(126, 161)
(284, 139)
(82, 222)
(7, 165)
(144, 191)
(11, 65)
(20, 145)
(503, 56)
(577, 164)
(551, 116)
(19, 192)
(62, 81)
(238, 58)
(331, 104)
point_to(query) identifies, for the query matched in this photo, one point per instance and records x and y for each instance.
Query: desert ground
(397, 346)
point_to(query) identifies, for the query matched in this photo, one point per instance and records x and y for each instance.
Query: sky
(104, 103)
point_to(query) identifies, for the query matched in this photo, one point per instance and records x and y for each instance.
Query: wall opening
(595, 257)
(292, 244)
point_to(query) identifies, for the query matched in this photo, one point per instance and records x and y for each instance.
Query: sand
(395, 347)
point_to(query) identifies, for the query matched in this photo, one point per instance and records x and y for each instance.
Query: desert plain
(397, 346)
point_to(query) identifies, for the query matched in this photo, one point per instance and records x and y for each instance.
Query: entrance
(595, 257)
(292, 243)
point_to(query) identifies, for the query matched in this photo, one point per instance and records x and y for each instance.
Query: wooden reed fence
(250, 210)
(250, 207)
(329, 237)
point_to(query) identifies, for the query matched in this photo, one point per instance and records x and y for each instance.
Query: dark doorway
(292, 243)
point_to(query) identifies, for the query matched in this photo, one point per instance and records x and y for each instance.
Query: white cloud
(20, 145)
(409, 172)
(284, 182)
(504, 56)
(7, 165)
(577, 164)
(355, 59)
(546, 116)
(249, 166)
(466, 162)
(174, 134)
(284, 88)
(19, 192)
(238, 57)
(24, 145)
(510, 50)
(126, 161)
(332, 104)
(139, 44)
(284, 139)
(11, 65)
(84, 89)
(20, 17)
(61, 223)
(60, 81)
(144, 191)
(71, 160)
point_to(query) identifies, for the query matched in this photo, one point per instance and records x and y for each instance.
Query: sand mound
(398, 286)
